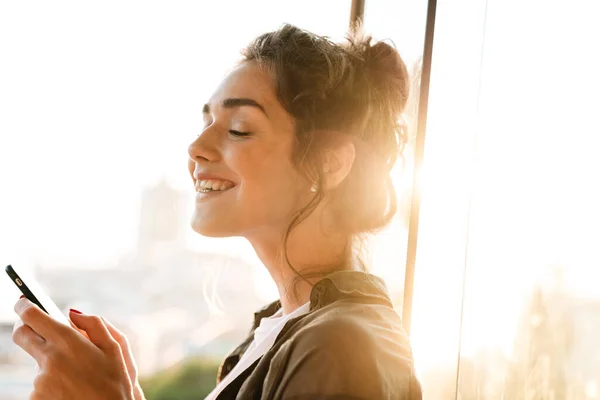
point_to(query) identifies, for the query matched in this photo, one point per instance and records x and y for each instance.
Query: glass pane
(444, 185)
(531, 325)
(402, 23)
(98, 104)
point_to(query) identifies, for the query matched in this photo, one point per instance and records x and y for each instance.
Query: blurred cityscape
(171, 302)
(555, 356)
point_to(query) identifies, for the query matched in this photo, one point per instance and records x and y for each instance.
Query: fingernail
(74, 311)
(22, 296)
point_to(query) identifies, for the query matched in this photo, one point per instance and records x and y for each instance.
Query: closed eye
(238, 133)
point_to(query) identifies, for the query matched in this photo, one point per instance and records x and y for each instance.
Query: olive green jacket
(350, 345)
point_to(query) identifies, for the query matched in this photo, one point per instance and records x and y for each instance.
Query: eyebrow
(236, 102)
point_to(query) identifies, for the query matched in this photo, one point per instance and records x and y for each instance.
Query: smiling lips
(213, 185)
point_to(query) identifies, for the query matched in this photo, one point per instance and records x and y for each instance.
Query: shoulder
(370, 332)
(346, 349)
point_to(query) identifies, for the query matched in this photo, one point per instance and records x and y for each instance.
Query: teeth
(208, 185)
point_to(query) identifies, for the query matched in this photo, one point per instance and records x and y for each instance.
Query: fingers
(125, 348)
(26, 338)
(118, 336)
(96, 331)
(44, 325)
(82, 332)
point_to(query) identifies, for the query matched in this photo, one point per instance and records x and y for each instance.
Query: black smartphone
(34, 292)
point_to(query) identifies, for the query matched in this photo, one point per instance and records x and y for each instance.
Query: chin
(210, 227)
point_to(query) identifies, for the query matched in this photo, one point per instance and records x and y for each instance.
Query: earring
(314, 186)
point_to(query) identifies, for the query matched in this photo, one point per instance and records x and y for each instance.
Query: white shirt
(264, 338)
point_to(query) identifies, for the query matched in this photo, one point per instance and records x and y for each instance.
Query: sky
(99, 100)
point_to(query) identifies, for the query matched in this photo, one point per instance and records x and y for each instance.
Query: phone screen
(35, 293)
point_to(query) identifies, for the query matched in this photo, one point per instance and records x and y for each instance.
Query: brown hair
(356, 88)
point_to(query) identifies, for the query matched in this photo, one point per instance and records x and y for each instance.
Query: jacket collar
(336, 286)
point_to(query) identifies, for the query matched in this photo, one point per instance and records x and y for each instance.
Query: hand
(132, 369)
(116, 334)
(70, 366)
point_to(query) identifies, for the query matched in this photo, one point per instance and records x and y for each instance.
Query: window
(509, 205)
(403, 25)
(531, 322)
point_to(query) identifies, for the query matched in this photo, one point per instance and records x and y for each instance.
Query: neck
(310, 251)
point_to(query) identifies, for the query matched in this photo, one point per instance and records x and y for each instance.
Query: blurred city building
(554, 356)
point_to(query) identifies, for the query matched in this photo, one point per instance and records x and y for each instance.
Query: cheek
(269, 185)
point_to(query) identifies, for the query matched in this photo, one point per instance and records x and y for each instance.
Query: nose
(205, 148)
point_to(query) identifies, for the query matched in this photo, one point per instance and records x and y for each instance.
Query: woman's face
(241, 162)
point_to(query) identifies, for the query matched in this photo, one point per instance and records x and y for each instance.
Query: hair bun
(384, 67)
(381, 56)
(388, 70)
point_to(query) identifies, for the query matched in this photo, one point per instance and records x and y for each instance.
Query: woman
(295, 156)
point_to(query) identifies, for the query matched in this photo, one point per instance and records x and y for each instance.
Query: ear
(337, 163)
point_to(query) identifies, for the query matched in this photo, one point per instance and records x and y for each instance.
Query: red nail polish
(74, 311)
(22, 296)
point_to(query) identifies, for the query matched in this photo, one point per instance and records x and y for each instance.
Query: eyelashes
(238, 133)
(232, 132)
